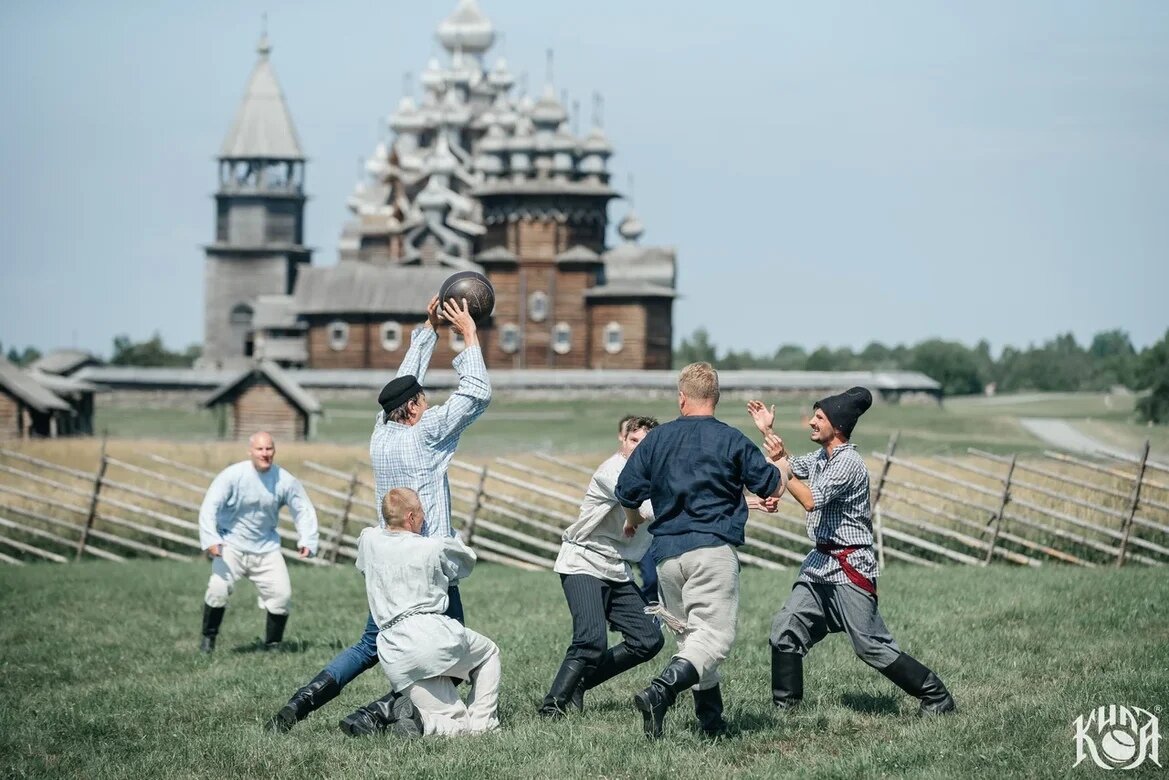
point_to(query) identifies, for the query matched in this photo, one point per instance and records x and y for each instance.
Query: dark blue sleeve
(760, 476)
(634, 484)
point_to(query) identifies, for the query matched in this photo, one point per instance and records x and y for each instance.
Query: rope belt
(407, 614)
(840, 553)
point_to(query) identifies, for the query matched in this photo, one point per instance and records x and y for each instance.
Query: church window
(241, 315)
(562, 338)
(391, 336)
(538, 306)
(338, 335)
(614, 338)
(509, 338)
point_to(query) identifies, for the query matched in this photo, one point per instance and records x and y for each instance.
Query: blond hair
(397, 503)
(699, 381)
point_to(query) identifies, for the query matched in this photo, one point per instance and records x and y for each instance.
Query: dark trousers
(355, 659)
(649, 577)
(596, 603)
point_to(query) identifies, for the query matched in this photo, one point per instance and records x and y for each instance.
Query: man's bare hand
(763, 416)
(215, 550)
(304, 552)
(629, 530)
(460, 318)
(773, 447)
(769, 504)
(433, 313)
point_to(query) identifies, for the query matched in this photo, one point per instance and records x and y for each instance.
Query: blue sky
(830, 173)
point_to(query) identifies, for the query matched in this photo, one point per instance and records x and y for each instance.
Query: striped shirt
(841, 515)
(417, 456)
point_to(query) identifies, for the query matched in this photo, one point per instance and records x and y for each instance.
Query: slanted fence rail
(973, 509)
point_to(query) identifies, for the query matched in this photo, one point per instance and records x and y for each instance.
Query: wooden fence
(973, 509)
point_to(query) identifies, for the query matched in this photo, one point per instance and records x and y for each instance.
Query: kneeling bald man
(407, 580)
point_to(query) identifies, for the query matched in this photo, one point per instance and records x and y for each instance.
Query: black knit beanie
(845, 409)
(398, 392)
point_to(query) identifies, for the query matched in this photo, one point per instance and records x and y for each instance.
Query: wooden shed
(29, 409)
(264, 398)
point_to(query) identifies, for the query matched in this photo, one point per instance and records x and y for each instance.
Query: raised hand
(433, 314)
(460, 319)
(764, 417)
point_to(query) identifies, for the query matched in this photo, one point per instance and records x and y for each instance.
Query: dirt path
(1062, 435)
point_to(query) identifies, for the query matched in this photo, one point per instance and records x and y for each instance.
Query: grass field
(588, 425)
(100, 678)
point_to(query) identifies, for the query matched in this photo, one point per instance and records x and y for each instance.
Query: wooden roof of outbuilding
(277, 377)
(28, 390)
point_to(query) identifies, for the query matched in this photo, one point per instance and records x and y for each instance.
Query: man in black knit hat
(837, 586)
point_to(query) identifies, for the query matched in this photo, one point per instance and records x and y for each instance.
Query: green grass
(100, 678)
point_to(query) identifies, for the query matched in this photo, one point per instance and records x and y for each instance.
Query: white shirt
(242, 507)
(596, 543)
(408, 574)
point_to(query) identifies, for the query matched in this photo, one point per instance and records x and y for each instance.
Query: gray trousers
(701, 587)
(814, 610)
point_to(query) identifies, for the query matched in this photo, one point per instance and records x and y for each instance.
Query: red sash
(841, 555)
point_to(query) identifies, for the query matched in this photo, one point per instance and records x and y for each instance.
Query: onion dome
(631, 228)
(466, 28)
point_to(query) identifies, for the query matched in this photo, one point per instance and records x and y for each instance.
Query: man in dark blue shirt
(694, 470)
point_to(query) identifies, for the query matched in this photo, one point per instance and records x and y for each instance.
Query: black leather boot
(708, 707)
(787, 679)
(212, 617)
(661, 694)
(371, 719)
(921, 683)
(274, 631)
(321, 689)
(564, 687)
(616, 660)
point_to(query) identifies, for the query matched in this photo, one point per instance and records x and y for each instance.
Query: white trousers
(437, 699)
(701, 587)
(266, 571)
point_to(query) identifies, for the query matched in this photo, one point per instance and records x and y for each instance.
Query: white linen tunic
(242, 507)
(596, 543)
(406, 581)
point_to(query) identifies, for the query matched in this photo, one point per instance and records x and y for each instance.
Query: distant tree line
(1061, 364)
(151, 352)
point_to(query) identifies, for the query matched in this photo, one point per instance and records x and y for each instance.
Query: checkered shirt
(417, 456)
(840, 495)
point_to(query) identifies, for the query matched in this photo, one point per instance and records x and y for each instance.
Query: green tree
(950, 363)
(1153, 374)
(22, 357)
(151, 353)
(695, 349)
(1114, 360)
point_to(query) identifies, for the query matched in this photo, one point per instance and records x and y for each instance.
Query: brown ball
(473, 286)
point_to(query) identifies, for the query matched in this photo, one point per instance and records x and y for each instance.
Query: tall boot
(212, 617)
(615, 661)
(787, 679)
(274, 631)
(320, 690)
(373, 718)
(921, 683)
(708, 708)
(564, 686)
(663, 690)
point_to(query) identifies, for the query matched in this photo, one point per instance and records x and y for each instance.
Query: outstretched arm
(471, 397)
(422, 342)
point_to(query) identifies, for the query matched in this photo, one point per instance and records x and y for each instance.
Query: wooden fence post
(92, 514)
(343, 520)
(1132, 505)
(473, 515)
(878, 530)
(997, 517)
